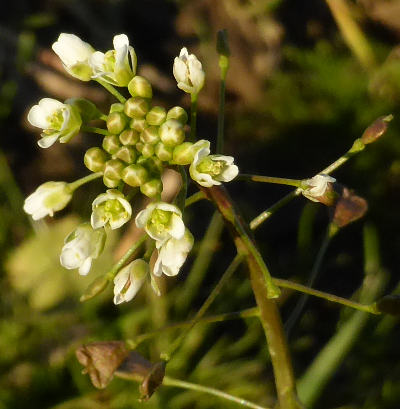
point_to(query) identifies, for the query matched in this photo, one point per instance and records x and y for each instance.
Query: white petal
(50, 105)
(47, 141)
(229, 173)
(85, 267)
(37, 117)
(167, 207)
(120, 40)
(183, 53)
(144, 215)
(71, 49)
(70, 258)
(96, 220)
(97, 61)
(180, 70)
(177, 228)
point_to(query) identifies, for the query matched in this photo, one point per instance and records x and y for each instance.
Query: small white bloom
(117, 66)
(188, 72)
(317, 186)
(129, 280)
(74, 54)
(58, 121)
(208, 170)
(47, 199)
(82, 246)
(172, 254)
(161, 221)
(110, 208)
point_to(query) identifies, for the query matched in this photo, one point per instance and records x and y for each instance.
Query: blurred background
(306, 79)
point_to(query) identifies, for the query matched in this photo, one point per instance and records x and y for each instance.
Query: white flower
(208, 170)
(82, 246)
(317, 187)
(112, 208)
(188, 72)
(161, 221)
(74, 54)
(172, 254)
(116, 66)
(58, 121)
(129, 280)
(47, 199)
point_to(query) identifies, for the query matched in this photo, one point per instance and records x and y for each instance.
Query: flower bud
(179, 114)
(320, 189)
(171, 133)
(95, 159)
(136, 107)
(129, 137)
(148, 150)
(138, 124)
(113, 169)
(150, 135)
(184, 153)
(111, 183)
(126, 154)
(116, 122)
(139, 146)
(95, 288)
(163, 152)
(222, 43)
(116, 107)
(156, 116)
(376, 129)
(152, 188)
(188, 72)
(111, 144)
(152, 164)
(135, 175)
(140, 87)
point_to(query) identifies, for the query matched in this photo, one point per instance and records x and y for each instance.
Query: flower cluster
(139, 141)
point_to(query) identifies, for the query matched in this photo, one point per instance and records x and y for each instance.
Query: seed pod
(135, 175)
(111, 144)
(116, 122)
(140, 87)
(171, 133)
(163, 152)
(95, 159)
(179, 114)
(136, 107)
(156, 116)
(152, 188)
(127, 154)
(129, 137)
(138, 124)
(150, 135)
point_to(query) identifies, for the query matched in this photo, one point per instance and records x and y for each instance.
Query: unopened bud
(111, 183)
(95, 288)
(138, 124)
(139, 146)
(183, 154)
(126, 154)
(152, 164)
(150, 135)
(179, 114)
(222, 43)
(117, 107)
(136, 107)
(111, 144)
(376, 129)
(163, 152)
(113, 169)
(129, 137)
(147, 150)
(135, 175)
(140, 87)
(171, 133)
(152, 188)
(116, 122)
(95, 159)
(156, 116)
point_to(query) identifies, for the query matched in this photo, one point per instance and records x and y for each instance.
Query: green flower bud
(111, 183)
(171, 133)
(126, 154)
(140, 87)
(135, 175)
(179, 114)
(152, 188)
(116, 107)
(148, 150)
(152, 164)
(116, 122)
(113, 169)
(150, 135)
(156, 115)
(184, 154)
(136, 107)
(86, 109)
(138, 124)
(95, 288)
(129, 137)
(111, 144)
(163, 152)
(139, 146)
(95, 159)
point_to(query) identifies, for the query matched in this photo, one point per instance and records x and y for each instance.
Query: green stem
(112, 90)
(270, 179)
(120, 263)
(221, 109)
(103, 117)
(74, 185)
(206, 389)
(203, 309)
(93, 129)
(196, 197)
(193, 116)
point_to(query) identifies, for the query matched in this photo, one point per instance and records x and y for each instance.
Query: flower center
(56, 120)
(159, 220)
(211, 167)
